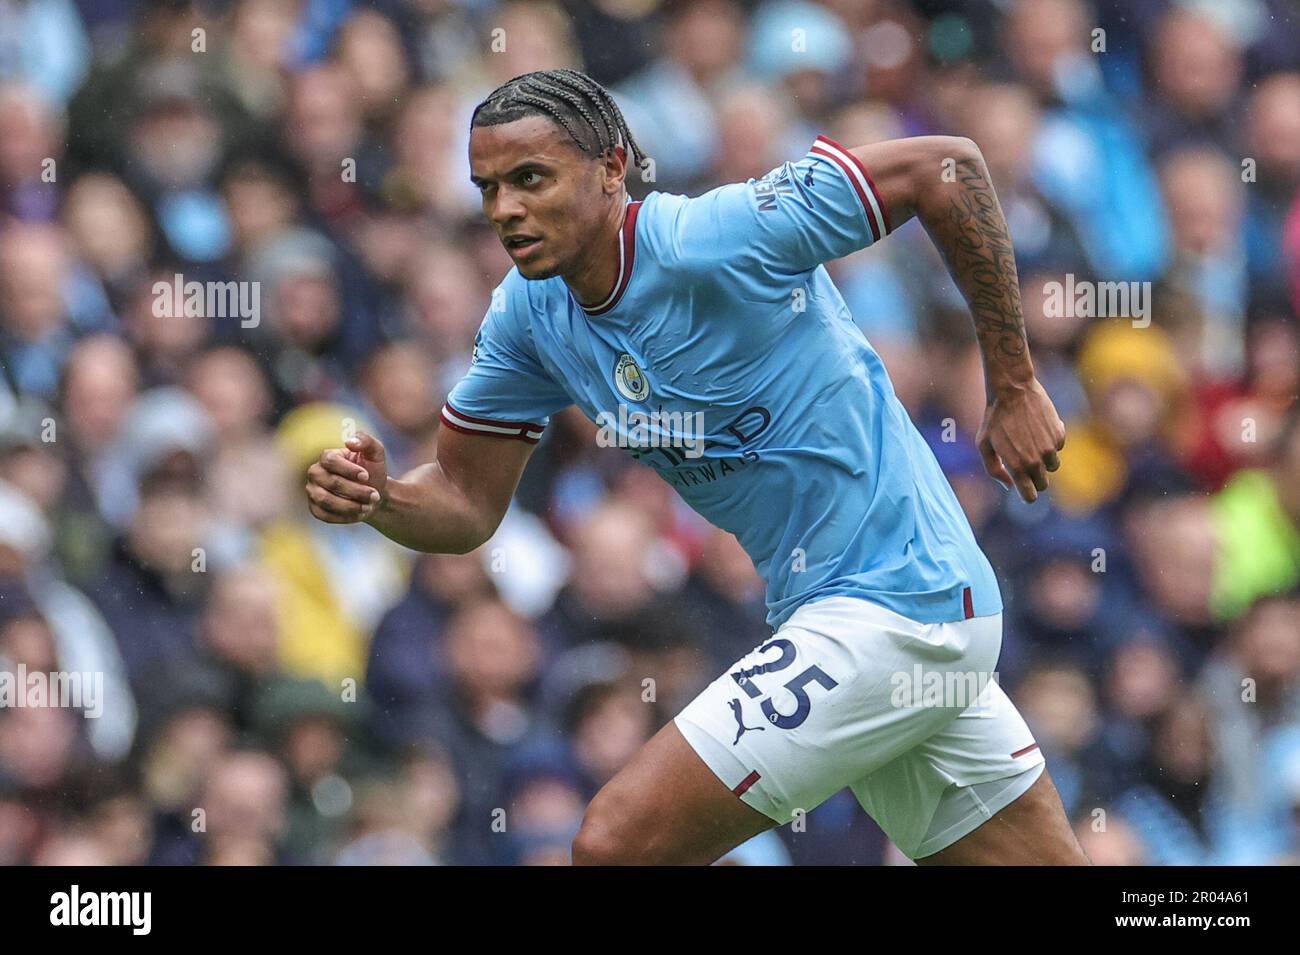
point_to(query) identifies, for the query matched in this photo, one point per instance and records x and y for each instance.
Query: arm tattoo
(984, 264)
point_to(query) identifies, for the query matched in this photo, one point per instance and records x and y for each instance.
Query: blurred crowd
(277, 690)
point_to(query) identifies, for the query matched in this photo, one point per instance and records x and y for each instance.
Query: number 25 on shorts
(744, 678)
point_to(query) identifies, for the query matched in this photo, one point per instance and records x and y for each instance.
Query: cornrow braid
(582, 107)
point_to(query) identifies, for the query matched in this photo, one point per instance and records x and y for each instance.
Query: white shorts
(848, 693)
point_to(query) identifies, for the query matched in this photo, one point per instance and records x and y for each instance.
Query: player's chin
(535, 270)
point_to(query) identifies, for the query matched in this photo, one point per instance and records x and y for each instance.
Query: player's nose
(506, 209)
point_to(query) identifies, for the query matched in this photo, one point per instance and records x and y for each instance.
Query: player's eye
(530, 178)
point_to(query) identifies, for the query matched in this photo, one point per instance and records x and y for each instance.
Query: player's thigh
(818, 707)
(976, 792)
(666, 807)
(1032, 830)
(789, 724)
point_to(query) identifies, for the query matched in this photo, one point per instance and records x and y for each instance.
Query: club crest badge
(630, 381)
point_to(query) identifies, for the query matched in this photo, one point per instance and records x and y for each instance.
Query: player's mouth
(521, 246)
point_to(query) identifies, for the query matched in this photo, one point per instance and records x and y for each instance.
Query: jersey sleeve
(801, 214)
(506, 393)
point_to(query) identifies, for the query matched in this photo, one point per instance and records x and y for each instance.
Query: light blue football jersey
(726, 359)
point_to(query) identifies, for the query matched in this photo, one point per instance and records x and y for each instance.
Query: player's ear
(614, 167)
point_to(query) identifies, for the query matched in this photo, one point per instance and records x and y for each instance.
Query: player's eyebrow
(530, 165)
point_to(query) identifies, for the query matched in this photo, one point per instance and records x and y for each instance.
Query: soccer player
(887, 615)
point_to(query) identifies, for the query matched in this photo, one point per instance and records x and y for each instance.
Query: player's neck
(593, 280)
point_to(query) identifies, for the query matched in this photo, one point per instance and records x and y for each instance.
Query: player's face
(544, 197)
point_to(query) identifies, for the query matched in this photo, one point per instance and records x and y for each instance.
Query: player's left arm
(944, 182)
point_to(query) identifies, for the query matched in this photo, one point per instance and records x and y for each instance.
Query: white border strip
(851, 166)
(524, 429)
(622, 259)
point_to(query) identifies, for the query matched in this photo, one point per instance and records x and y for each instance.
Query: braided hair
(580, 105)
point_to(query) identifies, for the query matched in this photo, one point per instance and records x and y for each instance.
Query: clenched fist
(347, 485)
(1020, 438)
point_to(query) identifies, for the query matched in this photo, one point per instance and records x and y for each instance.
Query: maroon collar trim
(626, 257)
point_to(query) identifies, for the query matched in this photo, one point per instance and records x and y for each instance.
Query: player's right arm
(449, 506)
(492, 420)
